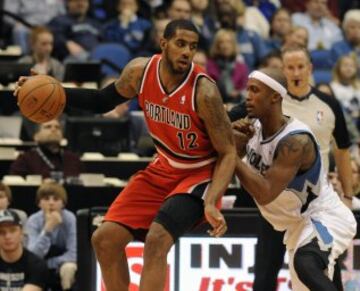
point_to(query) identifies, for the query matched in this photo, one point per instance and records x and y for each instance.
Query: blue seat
(113, 57)
(321, 59)
(322, 76)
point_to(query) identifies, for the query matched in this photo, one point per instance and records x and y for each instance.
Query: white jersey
(308, 197)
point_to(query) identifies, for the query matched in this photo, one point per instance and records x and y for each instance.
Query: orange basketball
(41, 98)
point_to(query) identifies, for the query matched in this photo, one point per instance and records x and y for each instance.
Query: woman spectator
(346, 86)
(42, 44)
(226, 67)
(280, 26)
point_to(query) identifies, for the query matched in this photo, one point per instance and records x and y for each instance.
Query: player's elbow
(264, 198)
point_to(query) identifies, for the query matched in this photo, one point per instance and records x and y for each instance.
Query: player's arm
(99, 101)
(294, 153)
(211, 110)
(243, 131)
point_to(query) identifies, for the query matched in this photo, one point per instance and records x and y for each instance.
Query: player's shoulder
(206, 86)
(138, 63)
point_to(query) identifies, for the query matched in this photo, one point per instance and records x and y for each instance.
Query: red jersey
(179, 134)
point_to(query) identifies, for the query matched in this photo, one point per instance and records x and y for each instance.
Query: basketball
(41, 98)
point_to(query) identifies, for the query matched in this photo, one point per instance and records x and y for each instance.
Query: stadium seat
(113, 57)
(322, 76)
(321, 59)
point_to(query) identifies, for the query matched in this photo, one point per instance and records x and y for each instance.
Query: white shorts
(334, 228)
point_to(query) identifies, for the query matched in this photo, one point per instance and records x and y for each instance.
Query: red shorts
(137, 205)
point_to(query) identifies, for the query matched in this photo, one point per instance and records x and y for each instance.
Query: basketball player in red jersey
(195, 163)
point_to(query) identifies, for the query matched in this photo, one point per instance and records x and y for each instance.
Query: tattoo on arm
(211, 109)
(129, 81)
(298, 148)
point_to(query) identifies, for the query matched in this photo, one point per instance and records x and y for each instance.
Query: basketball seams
(40, 102)
(35, 88)
(44, 102)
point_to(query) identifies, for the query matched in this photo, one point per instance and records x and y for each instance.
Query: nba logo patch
(319, 116)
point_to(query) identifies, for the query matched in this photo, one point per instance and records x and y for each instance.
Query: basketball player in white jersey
(283, 173)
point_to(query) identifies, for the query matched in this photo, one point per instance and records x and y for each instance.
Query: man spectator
(351, 43)
(75, 33)
(48, 159)
(20, 269)
(179, 9)
(251, 46)
(52, 235)
(323, 32)
(128, 29)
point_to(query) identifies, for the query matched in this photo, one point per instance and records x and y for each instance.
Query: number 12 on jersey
(187, 140)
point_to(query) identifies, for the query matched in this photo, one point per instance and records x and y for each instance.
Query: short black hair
(172, 26)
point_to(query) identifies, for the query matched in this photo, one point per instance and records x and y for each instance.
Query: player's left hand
(216, 220)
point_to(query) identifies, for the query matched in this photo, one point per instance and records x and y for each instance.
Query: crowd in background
(236, 37)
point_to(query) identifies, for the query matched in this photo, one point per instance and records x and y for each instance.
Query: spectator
(346, 86)
(5, 201)
(52, 235)
(42, 43)
(280, 27)
(128, 28)
(20, 269)
(203, 21)
(226, 67)
(297, 36)
(323, 33)
(200, 58)
(351, 43)
(75, 33)
(48, 158)
(34, 12)
(272, 60)
(153, 46)
(179, 9)
(250, 45)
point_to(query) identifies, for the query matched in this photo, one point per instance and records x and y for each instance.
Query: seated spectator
(128, 28)
(226, 67)
(179, 9)
(20, 269)
(280, 27)
(35, 13)
(346, 86)
(6, 199)
(52, 235)
(42, 43)
(351, 43)
(48, 159)
(250, 45)
(297, 36)
(200, 58)
(323, 32)
(75, 33)
(203, 21)
(272, 60)
(157, 32)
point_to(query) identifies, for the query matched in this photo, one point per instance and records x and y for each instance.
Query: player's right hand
(243, 131)
(22, 80)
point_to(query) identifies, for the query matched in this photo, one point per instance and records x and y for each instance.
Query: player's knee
(107, 239)
(158, 242)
